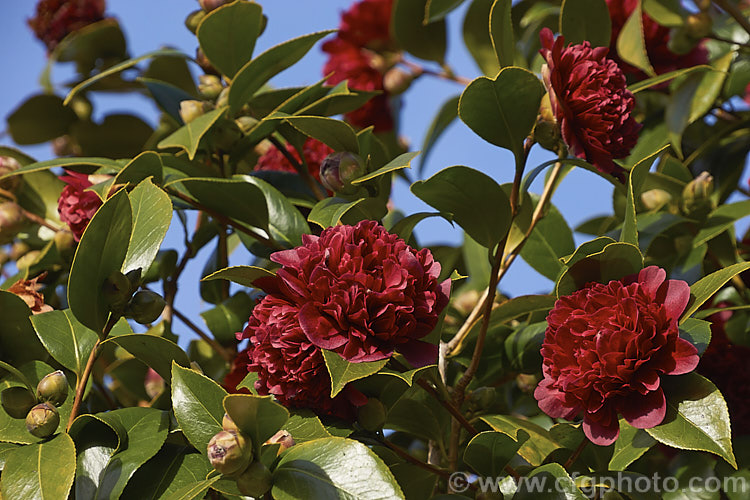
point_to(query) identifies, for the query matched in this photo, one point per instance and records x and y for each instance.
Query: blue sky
(151, 24)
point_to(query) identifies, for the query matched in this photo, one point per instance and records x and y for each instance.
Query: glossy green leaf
(193, 491)
(615, 261)
(305, 426)
(239, 199)
(668, 13)
(342, 371)
(400, 162)
(188, 137)
(523, 345)
(721, 219)
(67, 340)
(697, 332)
(438, 9)
(706, 287)
(631, 46)
(443, 119)
(243, 275)
(172, 468)
(539, 444)
(405, 227)
(157, 352)
(18, 342)
(630, 446)
(40, 118)
(409, 375)
(143, 166)
(477, 38)
(636, 177)
(337, 134)
(259, 417)
(425, 41)
(152, 214)
(665, 77)
(565, 488)
(88, 164)
(333, 468)
(227, 318)
(503, 111)
(586, 20)
(501, 32)
(329, 211)
(197, 402)
(253, 75)
(43, 470)
(489, 452)
(465, 192)
(227, 35)
(100, 252)
(697, 417)
(550, 240)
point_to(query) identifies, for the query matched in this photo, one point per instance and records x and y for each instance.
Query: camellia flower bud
(190, 110)
(338, 170)
(53, 388)
(397, 81)
(228, 424)
(42, 420)
(8, 165)
(145, 307)
(696, 197)
(204, 63)
(283, 438)
(209, 5)
(654, 199)
(194, 19)
(210, 86)
(255, 481)
(699, 25)
(117, 291)
(17, 401)
(372, 415)
(11, 221)
(153, 383)
(482, 397)
(229, 452)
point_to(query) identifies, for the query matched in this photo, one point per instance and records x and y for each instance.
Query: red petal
(644, 412)
(685, 356)
(674, 294)
(651, 278)
(600, 434)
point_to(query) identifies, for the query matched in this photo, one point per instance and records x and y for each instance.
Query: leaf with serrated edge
(342, 371)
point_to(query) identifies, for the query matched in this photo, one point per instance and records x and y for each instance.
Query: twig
(39, 220)
(212, 342)
(577, 453)
(413, 460)
(727, 40)
(445, 75)
(300, 168)
(222, 259)
(735, 12)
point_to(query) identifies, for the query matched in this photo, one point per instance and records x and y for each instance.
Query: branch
(413, 460)
(735, 12)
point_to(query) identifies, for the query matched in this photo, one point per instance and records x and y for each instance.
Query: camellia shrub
(350, 361)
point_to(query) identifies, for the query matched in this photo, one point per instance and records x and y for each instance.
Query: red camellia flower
(289, 366)
(367, 24)
(656, 38)
(590, 101)
(606, 348)
(57, 18)
(76, 206)
(237, 373)
(313, 150)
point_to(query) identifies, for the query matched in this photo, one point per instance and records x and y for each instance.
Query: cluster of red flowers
(356, 290)
(364, 30)
(606, 348)
(656, 38)
(55, 19)
(313, 151)
(77, 206)
(590, 101)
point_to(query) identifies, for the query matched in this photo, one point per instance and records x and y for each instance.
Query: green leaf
(489, 452)
(721, 219)
(120, 67)
(197, 402)
(477, 39)
(43, 470)
(465, 192)
(167, 96)
(409, 375)
(227, 35)
(257, 416)
(501, 32)
(342, 371)
(405, 227)
(425, 41)
(227, 318)
(333, 468)
(285, 222)
(614, 262)
(438, 9)
(697, 417)
(305, 426)
(152, 214)
(253, 75)
(400, 162)
(697, 332)
(194, 490)
(631, 46)
(550, 240)
(329, 211)
(338, 135)
(67, 340)
(565, 488)
(172, 468)
(100, 252)
(630, 446)
(668, 13)
(143, 166)
(40, 118)
(586, 20)
(18, 342)
(188, 137)
(539, 444)
(523, 345)
(89, 164)
(503, 111)
(445, 116)
(157, 352)
(636, 177)
(240, 200)
(665, 77)
(705, 288)
(243, 275)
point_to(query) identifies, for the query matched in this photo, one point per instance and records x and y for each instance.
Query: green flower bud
(18, 250)
(205, 64)
(228, 424)
(65, 242)
(527, 382)
(283, 438)
(17, 401)
(338, 170)
(145, 307)
(229, 452)
(547, 131)
(210, 86)
(11, 221)
(371, 416)
(699, 25)
(194, 19)
(8, 165)
(223, 99)
(654, 199)
(696, 197)
(396, 81)
(255, 481)
(42, 420)
(53, 388)
(153, 383)
(245, 123)
(117, 291)
(191, 109)
(483, 397)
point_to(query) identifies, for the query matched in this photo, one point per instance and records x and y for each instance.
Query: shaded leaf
(227, 35)
(425, 41)
(586, 20)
